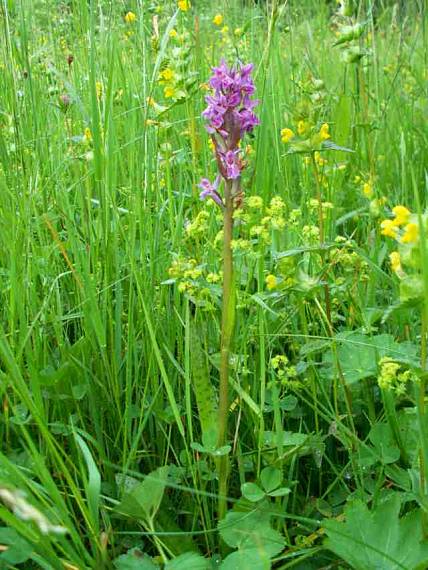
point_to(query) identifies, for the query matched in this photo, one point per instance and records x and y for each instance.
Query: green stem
(227, 325)
(322, 237)
(423, 454)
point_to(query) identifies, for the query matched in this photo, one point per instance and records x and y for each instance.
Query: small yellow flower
(302, 127)
(271, 282)
(394, 258)
(99, 89)
(286, 135)
(184, 5)
(319, 159)
(324, 134)
(173, 33)
(411, 233)
(169, 92)
(402, 215)
(218, 19)
(225, 30)
(166, 75)
(130, 17)
(255, 202)
(389, 228)
(213, 277)
(87, 135)
(367, 190)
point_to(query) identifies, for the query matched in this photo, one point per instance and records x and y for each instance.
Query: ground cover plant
(213, 284)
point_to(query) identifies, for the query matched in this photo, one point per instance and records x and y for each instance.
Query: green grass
(106, 364)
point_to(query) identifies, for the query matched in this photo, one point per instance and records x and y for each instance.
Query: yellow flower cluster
(187, 268)
(402, 221)
(184, 5)
(218, 19)
(130, 17)
(167, 78)
(271, 282)
(392, 378)
(255, 202)
(285, 373)
(199, 225)
(311, 234)
(324, 132)
(286, 135)
(395, 260)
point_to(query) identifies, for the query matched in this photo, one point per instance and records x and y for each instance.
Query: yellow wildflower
(324, 134)
(167, 74)
(271, 282)
(184, 5)
(394, 258)
(99, 89)
(225, 30)
(173, 33)
(367, 190)
(87, 135)
(130, 17)
(169, 92)
(389, 228)
(411, 233)
(302, 127)
(218, 20)
(255, 202)
(213, 277)
(286, 135)
(402, 215)
(319, 159)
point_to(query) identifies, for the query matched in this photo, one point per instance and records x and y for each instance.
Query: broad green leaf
(285, 438)
(343, 119)
(204, 391)
(134, 560)
(144, 499)
(271, 478)
(359, 355)
(251, 531)
(252, 492)
(250, 558)
(188, 561)
(381, 437)
(18, 549)
(379, 538)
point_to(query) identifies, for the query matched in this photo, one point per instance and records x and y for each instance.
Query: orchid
(210, 190)
(230, 114)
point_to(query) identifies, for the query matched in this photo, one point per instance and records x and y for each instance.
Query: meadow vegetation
(146, 422)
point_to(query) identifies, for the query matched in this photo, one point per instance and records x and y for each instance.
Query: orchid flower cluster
(230, 115)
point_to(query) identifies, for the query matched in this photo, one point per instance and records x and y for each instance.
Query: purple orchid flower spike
(230, 114)
(210, 190)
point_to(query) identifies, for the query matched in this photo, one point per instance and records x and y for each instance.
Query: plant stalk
(227, 326)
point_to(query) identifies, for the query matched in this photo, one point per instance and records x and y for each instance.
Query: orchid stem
(227, 326)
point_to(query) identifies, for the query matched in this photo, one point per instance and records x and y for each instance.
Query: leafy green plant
(379, 537)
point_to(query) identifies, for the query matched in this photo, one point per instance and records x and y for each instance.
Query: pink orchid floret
(210, 190)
